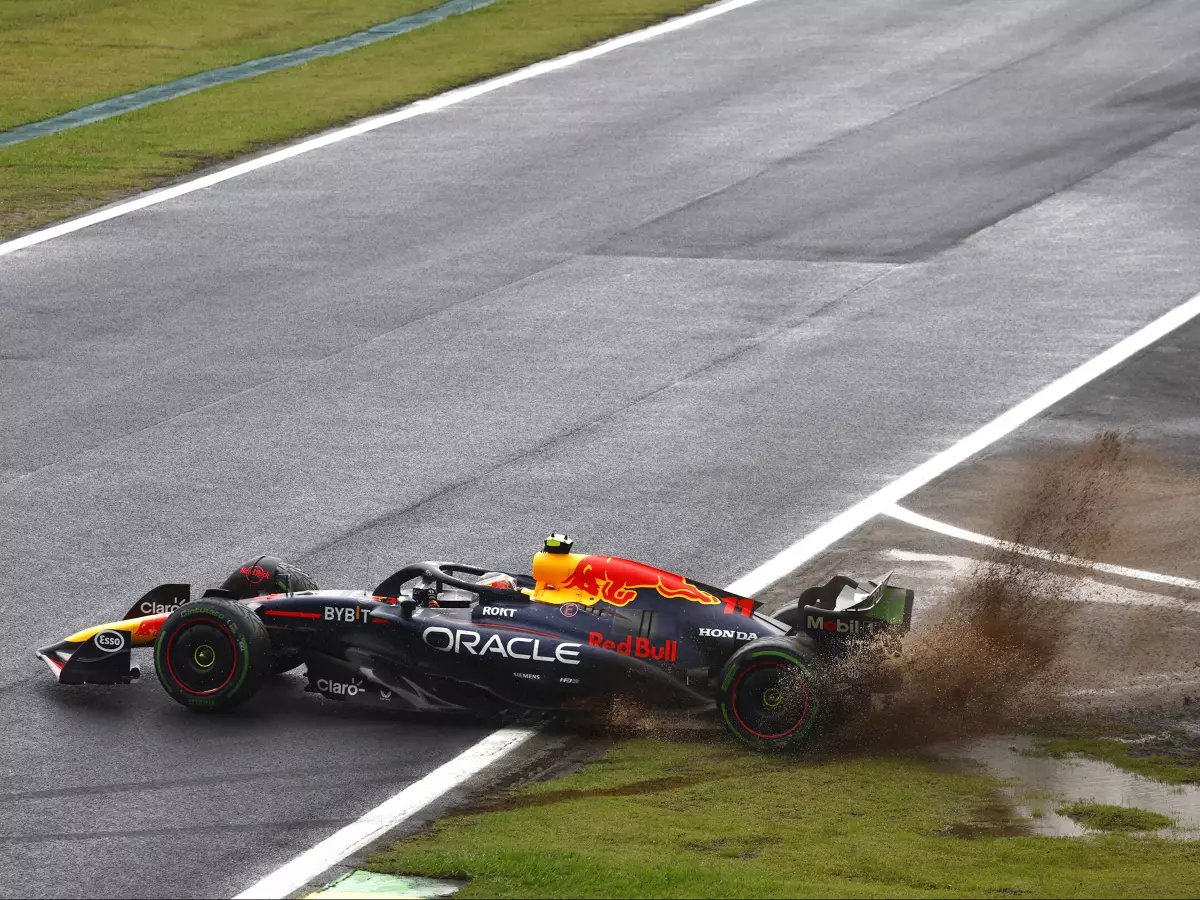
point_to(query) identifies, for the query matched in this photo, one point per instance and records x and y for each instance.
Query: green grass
(61, 54)
(67, 173)
(1155, 759)
(1105, 817)
(657, 819)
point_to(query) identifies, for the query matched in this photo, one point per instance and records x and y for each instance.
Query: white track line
(838, 527)
(415, 797)
(421, 107)
(1085, 591)
(312, 863)
(907, 515)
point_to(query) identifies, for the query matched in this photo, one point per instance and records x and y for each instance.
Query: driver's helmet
(498, 580)
(267, 575)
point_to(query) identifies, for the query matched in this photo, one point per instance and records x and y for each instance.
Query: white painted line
(1155, 682)
(421, 107)
(310, 864)
(912, 518)
(950, 561)
(1086, 590)
(415, 797)
(838, 527)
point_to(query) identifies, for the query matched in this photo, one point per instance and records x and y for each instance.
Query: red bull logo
(617, 581)
(639, 647)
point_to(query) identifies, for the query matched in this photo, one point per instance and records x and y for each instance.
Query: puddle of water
(373, 886)
(1038, 783)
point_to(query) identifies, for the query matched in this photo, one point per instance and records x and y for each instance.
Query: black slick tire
(769, 695)
(212, 654)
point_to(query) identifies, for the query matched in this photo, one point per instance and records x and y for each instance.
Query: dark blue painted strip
(115, 106)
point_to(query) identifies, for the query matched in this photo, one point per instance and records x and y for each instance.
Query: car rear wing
(844, 608)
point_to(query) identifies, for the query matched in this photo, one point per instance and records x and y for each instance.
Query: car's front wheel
(212, 654)
(769, 694)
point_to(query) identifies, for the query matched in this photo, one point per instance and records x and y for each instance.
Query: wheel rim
(770, 700)
(204, 656)
(201, 656)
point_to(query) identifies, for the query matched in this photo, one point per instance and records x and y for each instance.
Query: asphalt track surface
(686, 301)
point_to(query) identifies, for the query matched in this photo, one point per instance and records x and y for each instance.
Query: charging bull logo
(617, 581)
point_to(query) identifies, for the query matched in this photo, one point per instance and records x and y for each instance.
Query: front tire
(212, 655)
(769, 695)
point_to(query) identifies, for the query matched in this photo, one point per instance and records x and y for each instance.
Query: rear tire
(769, 695)
(212, 655)
(791, 616)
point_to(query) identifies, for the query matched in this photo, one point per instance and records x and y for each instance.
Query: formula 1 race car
(579, 632)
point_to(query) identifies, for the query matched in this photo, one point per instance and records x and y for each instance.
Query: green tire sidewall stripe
(796, 662)
(746, 739)
(779, 653)
(244, 660)
(243, 649)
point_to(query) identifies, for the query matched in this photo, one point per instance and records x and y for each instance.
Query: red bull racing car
(577, 633)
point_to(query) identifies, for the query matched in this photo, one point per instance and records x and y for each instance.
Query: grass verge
(70, 172)
(1105, 817)
(1168, 758)
(62, 54)
(660, 819)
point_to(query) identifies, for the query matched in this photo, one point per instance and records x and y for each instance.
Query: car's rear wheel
(769, 695)
(212, 654)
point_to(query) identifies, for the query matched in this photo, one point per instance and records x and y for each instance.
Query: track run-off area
(690, 299)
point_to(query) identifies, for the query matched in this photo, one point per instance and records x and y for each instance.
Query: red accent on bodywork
(640, 647)
(292, 613)
(151, 625)
(255, 574)
(735, 605)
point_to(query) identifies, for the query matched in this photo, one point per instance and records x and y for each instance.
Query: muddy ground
(1001, 641)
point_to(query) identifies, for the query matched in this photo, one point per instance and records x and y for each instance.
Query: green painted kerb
(115, 106)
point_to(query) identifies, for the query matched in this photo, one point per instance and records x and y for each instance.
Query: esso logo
(110, 641)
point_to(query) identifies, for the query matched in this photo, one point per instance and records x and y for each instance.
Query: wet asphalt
(686, 302)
